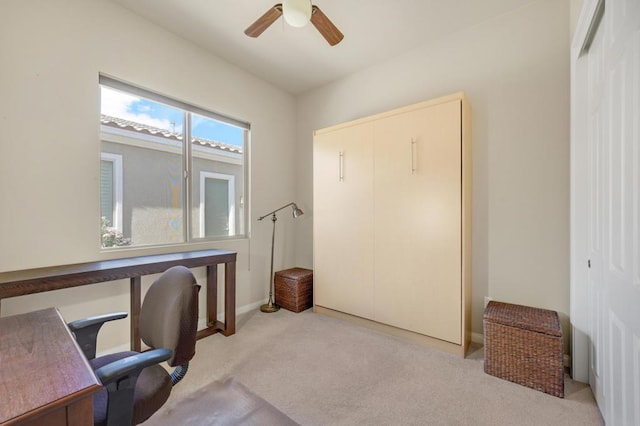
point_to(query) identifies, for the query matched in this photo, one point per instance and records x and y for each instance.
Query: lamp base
(269, 307)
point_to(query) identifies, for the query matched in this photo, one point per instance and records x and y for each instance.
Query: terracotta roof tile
(120, 123)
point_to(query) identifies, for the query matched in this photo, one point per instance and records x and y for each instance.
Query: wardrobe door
(417, 226)
(343, 220)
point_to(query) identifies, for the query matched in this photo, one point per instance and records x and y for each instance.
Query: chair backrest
(169, 314)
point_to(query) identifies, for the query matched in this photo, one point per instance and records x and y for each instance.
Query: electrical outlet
(487, 299)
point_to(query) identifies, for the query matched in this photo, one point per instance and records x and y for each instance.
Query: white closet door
(613, 234)
(343, 220)
(418, 221)
(595, 200)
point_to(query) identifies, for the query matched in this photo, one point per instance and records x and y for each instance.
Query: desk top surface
(41, 365)
(138, 263)
(28, 281)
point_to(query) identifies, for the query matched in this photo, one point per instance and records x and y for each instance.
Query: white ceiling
(299, 59)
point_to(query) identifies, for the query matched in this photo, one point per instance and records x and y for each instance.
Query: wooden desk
(44, 379)
(19, 283)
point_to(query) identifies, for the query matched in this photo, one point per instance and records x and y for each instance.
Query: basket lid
(295, 273)
(524, 317)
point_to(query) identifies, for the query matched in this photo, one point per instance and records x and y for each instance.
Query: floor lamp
(270, 306)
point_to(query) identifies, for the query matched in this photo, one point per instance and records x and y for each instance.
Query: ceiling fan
(297, 13)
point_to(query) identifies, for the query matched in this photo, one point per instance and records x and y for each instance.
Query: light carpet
(322, 371)
(221, 403)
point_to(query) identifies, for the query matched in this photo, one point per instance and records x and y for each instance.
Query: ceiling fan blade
(329, 31)
(263, 22)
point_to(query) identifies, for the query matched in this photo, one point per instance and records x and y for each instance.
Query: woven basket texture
(524, 345)
(294, 289)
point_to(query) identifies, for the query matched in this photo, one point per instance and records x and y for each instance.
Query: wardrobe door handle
(414, 149)
(341, 166)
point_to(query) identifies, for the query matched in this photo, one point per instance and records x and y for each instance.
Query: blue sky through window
(140, 110)
(205, 127)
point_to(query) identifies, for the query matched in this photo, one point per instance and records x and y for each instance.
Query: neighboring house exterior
(143, 191)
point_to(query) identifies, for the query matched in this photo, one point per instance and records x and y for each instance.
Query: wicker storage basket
(524, 345)
(294, 289)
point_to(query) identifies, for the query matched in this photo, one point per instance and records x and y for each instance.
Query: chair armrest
(86, 331)
(131, 365)
(120, 377)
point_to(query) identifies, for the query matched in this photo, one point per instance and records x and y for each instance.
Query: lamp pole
(270, 306)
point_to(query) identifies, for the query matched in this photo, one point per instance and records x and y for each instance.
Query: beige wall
(515, 71)
(52, 52)
(575, 6)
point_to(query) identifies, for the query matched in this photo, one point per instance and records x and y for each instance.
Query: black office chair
(135, 385)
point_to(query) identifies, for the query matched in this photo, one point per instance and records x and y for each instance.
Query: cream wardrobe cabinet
(343, 214)
(392, 221)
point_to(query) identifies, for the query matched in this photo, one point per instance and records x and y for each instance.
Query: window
(217, 217)
(111, 190)
(154, 188)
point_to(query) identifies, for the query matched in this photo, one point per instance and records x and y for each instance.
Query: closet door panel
(343, 220)
(417, 240)
(393, 295)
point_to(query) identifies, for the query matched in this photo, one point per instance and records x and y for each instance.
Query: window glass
(217, 196)
(106, 192)
(217, 209)
(146, 135)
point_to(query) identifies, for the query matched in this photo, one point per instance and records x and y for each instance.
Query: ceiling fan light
(297, 13)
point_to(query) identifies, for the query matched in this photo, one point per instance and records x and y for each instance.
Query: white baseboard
(202, 322)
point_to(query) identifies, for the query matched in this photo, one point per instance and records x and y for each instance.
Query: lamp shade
(297, 13)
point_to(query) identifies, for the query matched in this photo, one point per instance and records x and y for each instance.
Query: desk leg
(229, 298)
(136, 300)
(212, 296)
(213, 325)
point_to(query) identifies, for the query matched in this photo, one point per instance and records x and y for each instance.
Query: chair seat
(152, 390)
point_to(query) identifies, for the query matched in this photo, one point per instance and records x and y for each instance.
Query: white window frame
(238, 228)
(116, 160)
(232, 197)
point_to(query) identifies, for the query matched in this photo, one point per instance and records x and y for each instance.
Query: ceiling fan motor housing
(297, 13)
